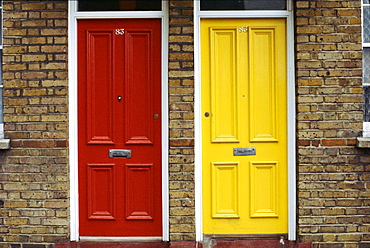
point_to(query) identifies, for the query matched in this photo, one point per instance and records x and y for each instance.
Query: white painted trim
(197, 128)
(242, 13)
(120, 239)
(292, 184)
(118, 15)
(288, 14)
(1, 127)
(4, 143)
(165, 125)
(73, 131)
(366, 129)
(362, 22)
(73, 137)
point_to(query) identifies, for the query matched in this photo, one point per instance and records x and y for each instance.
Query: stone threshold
(208, 243)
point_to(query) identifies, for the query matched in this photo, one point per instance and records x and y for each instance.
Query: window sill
(363, 142)
(4, 144)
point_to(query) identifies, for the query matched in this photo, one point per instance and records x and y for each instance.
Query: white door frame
(73, 112)
(288, 14)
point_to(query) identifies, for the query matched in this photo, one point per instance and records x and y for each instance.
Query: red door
(119, 109)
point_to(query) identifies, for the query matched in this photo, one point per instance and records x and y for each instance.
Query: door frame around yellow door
(288, 14)
(74, 15)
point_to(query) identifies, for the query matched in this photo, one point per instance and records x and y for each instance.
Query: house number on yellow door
(243, 29)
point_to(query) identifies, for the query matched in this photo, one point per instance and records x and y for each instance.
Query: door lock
(119, 98)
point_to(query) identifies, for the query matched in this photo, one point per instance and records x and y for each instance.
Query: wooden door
(244, 123)
(119, 122)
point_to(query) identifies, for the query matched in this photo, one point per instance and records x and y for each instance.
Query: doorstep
(112, 245)
(210, 243)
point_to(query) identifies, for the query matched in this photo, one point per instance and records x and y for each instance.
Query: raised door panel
(139, 87)
(99, 85)
(225, 190)
(223, 82)
(263, 189)
(140, 194)
(101, 191)
(262, 67)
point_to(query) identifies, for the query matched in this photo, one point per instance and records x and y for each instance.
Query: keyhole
(119, 98)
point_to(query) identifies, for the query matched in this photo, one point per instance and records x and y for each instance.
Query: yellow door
(244, 122)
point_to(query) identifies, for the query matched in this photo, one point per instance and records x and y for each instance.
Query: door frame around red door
(74, 15)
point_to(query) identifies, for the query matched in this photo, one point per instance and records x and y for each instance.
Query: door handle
(113, 153)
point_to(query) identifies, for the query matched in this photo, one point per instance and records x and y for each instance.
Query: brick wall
(333, 175)
(181, 124)
(34, 172)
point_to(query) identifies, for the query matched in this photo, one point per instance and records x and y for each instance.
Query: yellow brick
(54, 31)
(33, 6)
(33, 23)
(33, 58)
(34, 92)
(54, 14)
(16, 221)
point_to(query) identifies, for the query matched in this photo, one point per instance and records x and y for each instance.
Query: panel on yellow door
(244, 84)
(223, 84)
(263, 189)
(262, 66)
(225, 193)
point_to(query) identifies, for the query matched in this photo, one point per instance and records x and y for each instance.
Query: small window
(366, 58)
(1, 76)
(119, 5)
(243, 4)
(366, 24)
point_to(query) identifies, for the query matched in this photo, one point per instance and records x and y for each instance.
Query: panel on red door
(119, 108)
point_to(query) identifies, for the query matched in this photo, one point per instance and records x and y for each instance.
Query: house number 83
(120, 31)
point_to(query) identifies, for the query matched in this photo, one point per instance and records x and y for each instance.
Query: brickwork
(181, 123)
(34, 172)
(333, 175)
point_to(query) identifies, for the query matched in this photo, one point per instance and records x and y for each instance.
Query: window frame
(366, 125)
(364, 44)
(4, 143)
